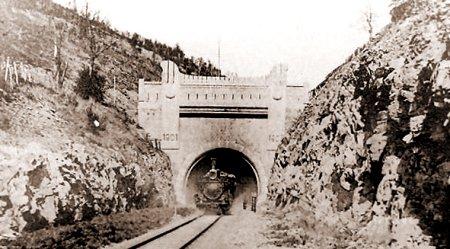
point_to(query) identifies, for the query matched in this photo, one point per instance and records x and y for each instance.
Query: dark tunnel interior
(229, 161)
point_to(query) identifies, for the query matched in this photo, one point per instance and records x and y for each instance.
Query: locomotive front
(216, 190)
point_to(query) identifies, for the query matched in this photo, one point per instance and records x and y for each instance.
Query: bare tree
(74, 6)
(60, 33)
(369, 20)
(95, 36)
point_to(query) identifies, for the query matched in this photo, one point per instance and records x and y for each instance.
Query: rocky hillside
(62, 158)
(367, 164)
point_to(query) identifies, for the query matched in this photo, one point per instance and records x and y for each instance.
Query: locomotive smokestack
(213, 163)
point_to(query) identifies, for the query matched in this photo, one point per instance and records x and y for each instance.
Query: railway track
(180, 236)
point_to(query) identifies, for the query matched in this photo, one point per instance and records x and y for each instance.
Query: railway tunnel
(229, 161)
(240, 121)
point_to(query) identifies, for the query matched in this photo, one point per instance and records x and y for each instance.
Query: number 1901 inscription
(171, 137)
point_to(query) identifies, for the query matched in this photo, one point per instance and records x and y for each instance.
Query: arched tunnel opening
(229, 161)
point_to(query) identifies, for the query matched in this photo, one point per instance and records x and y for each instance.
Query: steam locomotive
(216, 190)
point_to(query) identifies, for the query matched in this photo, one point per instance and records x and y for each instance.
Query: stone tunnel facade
(191, 115)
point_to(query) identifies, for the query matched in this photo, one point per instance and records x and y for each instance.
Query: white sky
(312, 37)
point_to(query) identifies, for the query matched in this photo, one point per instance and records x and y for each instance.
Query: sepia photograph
(225, 124)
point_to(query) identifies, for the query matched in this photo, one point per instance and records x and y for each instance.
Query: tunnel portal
(193, 118)
(229, 161)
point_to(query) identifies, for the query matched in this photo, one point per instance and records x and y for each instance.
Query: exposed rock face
(371, 152)
(40, 187)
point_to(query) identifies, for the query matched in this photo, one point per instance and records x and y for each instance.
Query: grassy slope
(39, 120)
